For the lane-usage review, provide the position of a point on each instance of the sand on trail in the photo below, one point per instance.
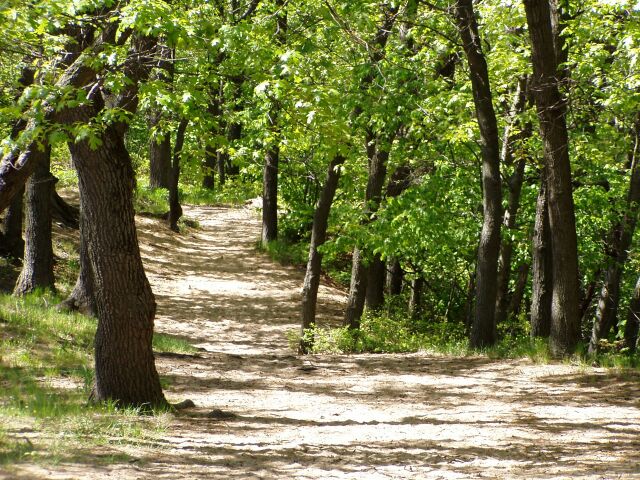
(264, 412)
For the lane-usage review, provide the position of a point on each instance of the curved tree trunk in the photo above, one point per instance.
(551, 106)
(13, 243)
(483, 329)
(542, 266)
(37, 268)
(125, 366)
(314, 264)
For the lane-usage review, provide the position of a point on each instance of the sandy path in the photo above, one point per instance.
(348, 417)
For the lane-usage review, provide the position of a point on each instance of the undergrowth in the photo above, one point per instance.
(46, 375)
(396, 332)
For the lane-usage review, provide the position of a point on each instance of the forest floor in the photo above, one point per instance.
(264, 412)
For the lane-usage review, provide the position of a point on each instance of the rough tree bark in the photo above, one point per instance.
(551, 107)
(125, 368)
(175, 210)
(607, 310)
(542, 266)
(483, 329)
(314, 264)
(37, 267)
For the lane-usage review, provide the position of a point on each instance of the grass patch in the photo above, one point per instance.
(152, 201)
(284, 252)
(164, 343)
(46, 374)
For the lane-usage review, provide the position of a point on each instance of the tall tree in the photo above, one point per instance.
(607, 310)
(318, 237)
(551, 107)
(542, 266)
(483, 329)
(378, 146)
(37, 267)
(272, 153)
(514, 133)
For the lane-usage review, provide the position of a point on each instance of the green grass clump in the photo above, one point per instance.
(284, 252)
(169, 344)
(46, 376)
(153, 201)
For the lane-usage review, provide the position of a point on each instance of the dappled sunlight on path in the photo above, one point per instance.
(264, 412)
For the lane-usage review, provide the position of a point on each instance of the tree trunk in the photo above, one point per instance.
(395, 276)
(514, 184)
(607, 311)
(565, 321)
(272, 154)
(62, 212)
(82, 298)
(314, 264)
(483, 330)
(37, 268)
(175, 210)
(415, 300)
(125, 366)
(542, 265)
(375, 283)
(13, 245)
(518, 291)
(378, 154)
(633, 320)
(159, 154)
(160, 142)
(270, 195)
(210, 161)
(357, 291)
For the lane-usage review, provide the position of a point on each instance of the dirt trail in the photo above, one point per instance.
(263, 412)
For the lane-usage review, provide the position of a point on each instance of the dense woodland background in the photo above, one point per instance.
(468, 170)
